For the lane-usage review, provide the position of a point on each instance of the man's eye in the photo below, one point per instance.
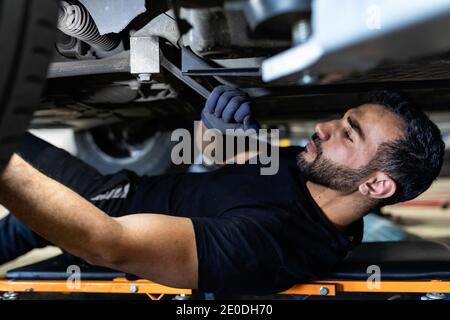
(348, 136)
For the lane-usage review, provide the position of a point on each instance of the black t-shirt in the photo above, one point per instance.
(257, 234)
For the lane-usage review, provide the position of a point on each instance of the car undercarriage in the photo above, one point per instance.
(122, 71)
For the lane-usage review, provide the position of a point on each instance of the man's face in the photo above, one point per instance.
(339, 154)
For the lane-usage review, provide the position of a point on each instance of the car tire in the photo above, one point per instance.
(152, 157)
(27, 31)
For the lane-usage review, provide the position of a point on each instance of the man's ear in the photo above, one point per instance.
(378, 186)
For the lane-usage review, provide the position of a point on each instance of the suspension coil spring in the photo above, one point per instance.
(75, 21)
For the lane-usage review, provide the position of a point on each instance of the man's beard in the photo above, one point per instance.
(324, 172)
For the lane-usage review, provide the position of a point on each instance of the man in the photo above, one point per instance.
(232, 230)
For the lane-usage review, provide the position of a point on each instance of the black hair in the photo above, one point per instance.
(414, 160)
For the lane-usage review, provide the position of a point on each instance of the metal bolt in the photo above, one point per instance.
(306, 78)
(323, 291)
(301, 31)
(10, 296)
(134, 85)
(144, 77)
(434, 296)
(134, 288)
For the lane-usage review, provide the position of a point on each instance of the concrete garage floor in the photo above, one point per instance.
(428, 223)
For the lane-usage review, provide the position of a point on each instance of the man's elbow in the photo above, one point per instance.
(105, 257)
(105, 251)
(106, 247)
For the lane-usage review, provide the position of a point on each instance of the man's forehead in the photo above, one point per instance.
(371, 110)
(368, 108)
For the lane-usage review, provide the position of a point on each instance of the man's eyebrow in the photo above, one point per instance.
(355, 126)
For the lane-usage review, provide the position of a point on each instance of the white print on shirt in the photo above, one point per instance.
(116, 193)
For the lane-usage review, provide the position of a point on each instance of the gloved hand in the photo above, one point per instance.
(228, 108)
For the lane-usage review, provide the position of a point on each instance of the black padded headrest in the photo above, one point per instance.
(57, 269)
(404, 260)
(399, 260)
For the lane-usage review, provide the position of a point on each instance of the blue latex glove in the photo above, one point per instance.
(228, 108)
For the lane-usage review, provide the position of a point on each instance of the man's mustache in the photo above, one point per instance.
(317, 142)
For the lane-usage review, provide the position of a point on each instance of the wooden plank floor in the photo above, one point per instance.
(429, 222)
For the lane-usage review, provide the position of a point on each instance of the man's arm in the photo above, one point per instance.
(201, 145)
(156, 247)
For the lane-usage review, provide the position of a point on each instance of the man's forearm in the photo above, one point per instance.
(201, 145)
(57, 213)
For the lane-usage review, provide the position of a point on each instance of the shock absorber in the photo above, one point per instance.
(75, 21)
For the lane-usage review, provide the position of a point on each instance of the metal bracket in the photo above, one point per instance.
(144, 45)
(193, 65)
(144, 55)
(175, 71)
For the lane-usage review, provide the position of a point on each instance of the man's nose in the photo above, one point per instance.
(322, 130)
